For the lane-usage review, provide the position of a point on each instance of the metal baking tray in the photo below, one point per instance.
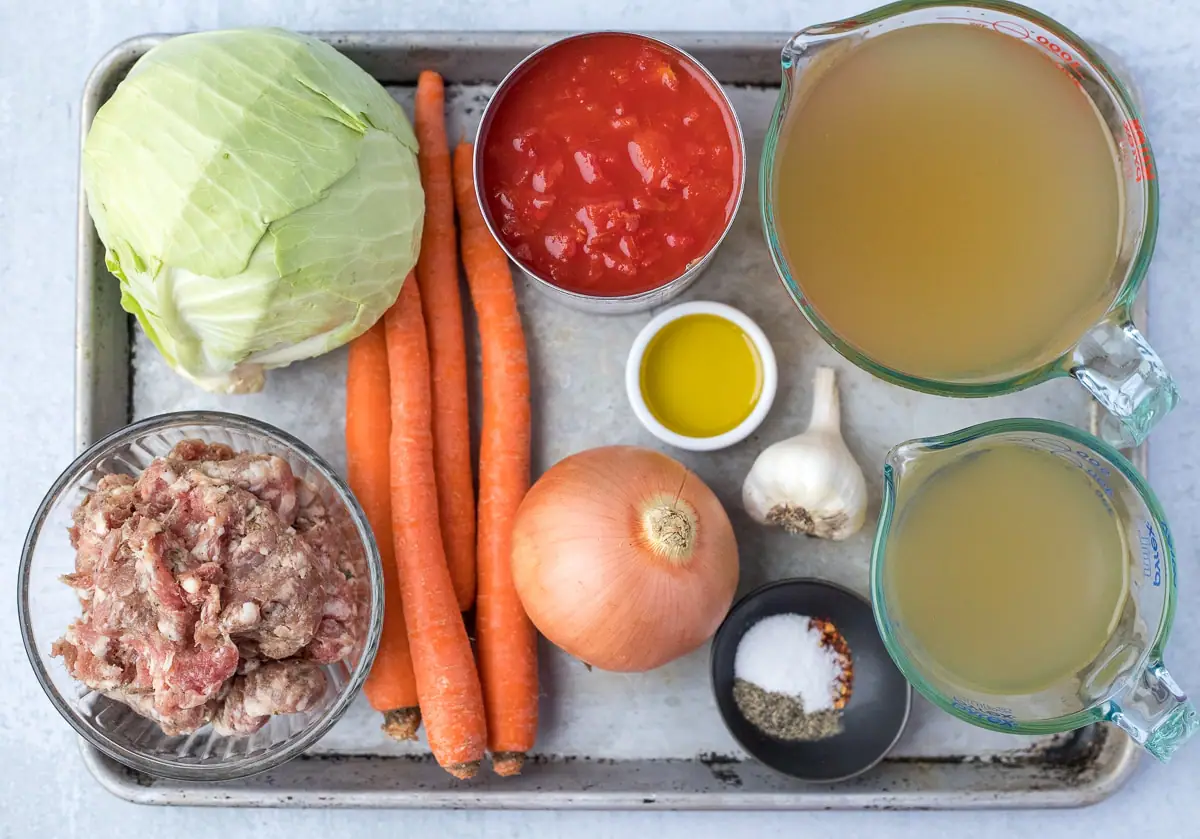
(649, 741)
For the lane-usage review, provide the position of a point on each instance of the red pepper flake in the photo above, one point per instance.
(832, 639)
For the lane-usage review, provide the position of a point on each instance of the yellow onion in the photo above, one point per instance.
(624, 558)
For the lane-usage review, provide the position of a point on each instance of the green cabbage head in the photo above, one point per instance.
(258, 198)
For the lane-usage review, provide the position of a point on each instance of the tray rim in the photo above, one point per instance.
(126, 785)
(95, 408)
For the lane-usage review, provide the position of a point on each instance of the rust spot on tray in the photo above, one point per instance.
(1068, 758)
(339, 759)
(722, 767)
(136, 777)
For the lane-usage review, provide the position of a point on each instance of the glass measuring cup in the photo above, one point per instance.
(1126, 683)
(1112, 359)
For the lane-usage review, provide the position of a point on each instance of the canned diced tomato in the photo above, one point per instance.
(610, 165)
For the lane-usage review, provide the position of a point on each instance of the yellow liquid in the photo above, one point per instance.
(949, 202)
(1007, 570)
(701, 375)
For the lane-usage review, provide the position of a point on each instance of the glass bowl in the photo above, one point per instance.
(47, 606)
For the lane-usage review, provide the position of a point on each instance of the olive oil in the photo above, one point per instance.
(949, 202)
(701, 375)
(1007, 569)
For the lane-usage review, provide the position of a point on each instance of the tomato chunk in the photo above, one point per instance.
(611, 164)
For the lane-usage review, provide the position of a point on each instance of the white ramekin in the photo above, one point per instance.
(633, 371)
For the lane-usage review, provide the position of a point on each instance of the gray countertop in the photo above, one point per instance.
(46, 51)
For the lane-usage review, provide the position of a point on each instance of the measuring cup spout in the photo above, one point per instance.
(806, 44)
(1155, 712)
(904, 457)
(897, 465)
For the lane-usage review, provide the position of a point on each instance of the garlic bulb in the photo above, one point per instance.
(810, 483)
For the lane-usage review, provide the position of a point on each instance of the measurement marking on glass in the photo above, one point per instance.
(1151, 556)
(1065, 61)
(1139, 150)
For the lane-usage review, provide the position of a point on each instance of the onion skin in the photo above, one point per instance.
(594, 579)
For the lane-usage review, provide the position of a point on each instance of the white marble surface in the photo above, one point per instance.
(46, 50)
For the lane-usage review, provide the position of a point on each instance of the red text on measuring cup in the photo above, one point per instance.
(1138, 160)
(1139, 151)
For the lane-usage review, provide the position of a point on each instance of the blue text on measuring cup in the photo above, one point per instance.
(990, 714)
(1151, 554)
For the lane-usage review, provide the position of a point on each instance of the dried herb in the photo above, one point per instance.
(783, 717)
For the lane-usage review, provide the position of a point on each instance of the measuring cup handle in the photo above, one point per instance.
(1115, 362)
(1155, 713)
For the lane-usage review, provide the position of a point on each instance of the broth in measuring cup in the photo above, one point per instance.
(949, 202)
(1008, 569)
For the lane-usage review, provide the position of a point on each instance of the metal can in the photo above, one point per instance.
(606, 304)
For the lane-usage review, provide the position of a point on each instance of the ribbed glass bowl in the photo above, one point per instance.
(47, 606)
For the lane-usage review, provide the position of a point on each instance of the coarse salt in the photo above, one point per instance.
(785, 654)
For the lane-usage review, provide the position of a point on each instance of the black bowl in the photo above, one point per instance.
(872, 720)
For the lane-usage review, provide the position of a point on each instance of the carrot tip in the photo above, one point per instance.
(508, 763)
(402, 723)
(463, 771)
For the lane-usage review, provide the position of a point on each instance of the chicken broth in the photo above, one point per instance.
(1007, 570)
(949, 202)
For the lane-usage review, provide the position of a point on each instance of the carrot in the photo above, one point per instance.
(437, 276)
(447, 681)
(391, 686)
(504, 636)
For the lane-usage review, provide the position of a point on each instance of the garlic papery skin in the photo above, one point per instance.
(810, 483)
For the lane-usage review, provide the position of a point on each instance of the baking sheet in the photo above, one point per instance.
(660, 729)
